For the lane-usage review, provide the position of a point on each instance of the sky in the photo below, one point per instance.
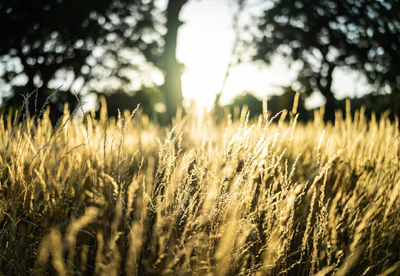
(205, 44)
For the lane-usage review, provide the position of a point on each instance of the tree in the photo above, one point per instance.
(172, 68)
(248, 101)
(87, 42)
(362, 35)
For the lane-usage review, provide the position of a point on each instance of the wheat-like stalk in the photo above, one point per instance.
(273, 196)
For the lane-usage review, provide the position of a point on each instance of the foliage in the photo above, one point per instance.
(148, 98)
(85, 44)
(245, 101)
(106, 197)
(275, 104)
(321, 36)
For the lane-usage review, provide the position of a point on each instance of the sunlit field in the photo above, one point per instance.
(265, 197)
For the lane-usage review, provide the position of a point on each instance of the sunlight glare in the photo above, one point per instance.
(204, 48)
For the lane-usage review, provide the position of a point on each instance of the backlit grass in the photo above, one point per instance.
(125, 196)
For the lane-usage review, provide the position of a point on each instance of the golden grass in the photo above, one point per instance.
(111, 197)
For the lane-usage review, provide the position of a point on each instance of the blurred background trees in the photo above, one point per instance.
(322, 36)
(150, 100)
(49, 40)
(112, 47)
(66, 45)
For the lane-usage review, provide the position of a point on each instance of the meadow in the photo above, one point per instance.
(123, 196)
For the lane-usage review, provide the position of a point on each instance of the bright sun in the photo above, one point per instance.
(205, 46)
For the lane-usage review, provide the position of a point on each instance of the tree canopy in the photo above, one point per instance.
(362, 35)
(86, 43)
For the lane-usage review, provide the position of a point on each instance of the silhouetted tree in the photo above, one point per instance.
(172, 68)
(150, 100)
(275, 104)
(246, 100)
(323, 35)
(86, 42)
(41, 39)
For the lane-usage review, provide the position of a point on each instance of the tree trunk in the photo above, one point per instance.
(330, 105)
(172, 87)
(325, 87)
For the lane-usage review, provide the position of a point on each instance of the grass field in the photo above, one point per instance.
(269, 197)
